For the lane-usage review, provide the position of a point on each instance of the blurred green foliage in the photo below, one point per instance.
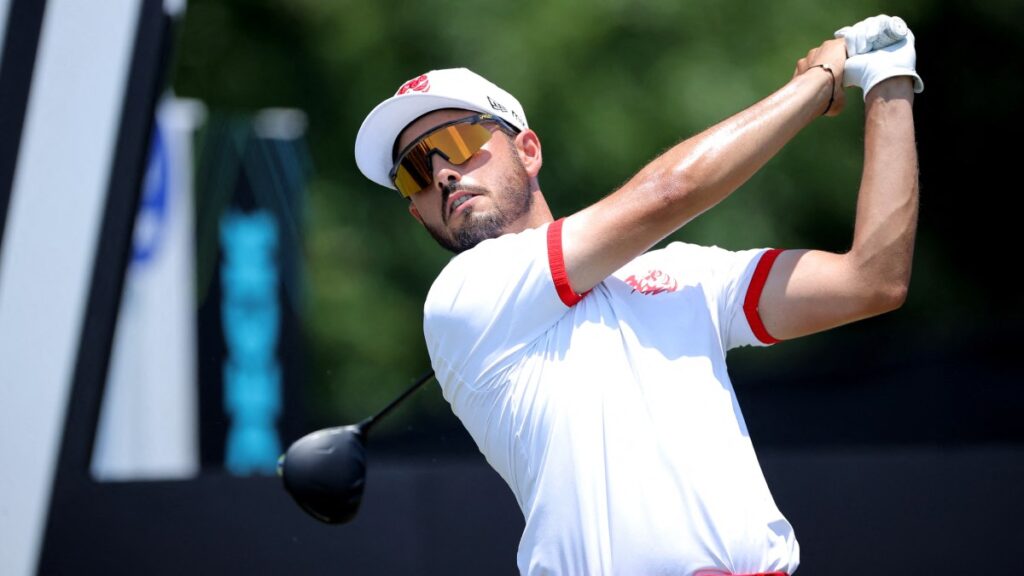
(607, 84)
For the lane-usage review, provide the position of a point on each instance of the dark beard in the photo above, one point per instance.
(512, 201)
(481, 229)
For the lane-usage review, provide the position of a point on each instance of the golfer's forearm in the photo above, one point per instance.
(700, 172)
(688, 179)
(883, 242)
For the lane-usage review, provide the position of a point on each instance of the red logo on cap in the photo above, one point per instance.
(418, 84)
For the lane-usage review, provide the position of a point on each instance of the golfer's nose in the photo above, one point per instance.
(445, 173)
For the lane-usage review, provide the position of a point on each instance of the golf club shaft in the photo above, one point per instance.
(365, 425)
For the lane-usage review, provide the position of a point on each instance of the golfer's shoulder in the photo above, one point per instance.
(686, 256)
(494, 260)
(488, 266)
(696, 263)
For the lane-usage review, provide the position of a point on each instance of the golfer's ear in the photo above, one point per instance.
(415, 213)
(528, 146)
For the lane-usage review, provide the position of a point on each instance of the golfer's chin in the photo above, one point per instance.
(468, 230)
(466, 219)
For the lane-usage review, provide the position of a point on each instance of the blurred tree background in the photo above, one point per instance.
(607, 85)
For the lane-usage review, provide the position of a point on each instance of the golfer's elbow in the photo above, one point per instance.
(664, 187)
(884, 294)
(891, 297)
(883, 276)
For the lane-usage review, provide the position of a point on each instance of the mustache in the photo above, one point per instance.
(451, 188)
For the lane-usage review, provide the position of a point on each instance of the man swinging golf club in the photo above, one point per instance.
(589, 369)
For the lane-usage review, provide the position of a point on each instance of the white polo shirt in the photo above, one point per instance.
(611, 416)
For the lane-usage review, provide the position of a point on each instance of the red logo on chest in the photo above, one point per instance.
(655, 282)
(419, 84)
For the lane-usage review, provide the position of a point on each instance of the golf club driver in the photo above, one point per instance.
(325, 471)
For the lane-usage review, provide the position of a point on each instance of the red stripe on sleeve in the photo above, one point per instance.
(750, 303)
(557, 262)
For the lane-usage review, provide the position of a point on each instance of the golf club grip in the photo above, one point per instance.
(365, 425)
(892, 30)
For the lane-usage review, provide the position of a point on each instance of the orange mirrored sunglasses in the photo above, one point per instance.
(455, 141)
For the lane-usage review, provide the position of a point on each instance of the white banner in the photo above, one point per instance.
(148, 425)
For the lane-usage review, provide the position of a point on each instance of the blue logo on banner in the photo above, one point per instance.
(251, 319)
(151, 221)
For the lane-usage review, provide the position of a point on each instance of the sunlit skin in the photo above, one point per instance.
(807, 291)
(501, 180)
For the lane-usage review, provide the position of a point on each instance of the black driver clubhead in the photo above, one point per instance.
(325, 472)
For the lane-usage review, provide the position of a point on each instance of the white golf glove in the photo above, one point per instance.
(872, 33)
(866, 65)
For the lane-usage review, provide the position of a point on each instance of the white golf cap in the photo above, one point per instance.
(435, 90)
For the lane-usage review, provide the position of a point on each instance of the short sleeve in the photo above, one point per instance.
(733, 282)
(489, 303)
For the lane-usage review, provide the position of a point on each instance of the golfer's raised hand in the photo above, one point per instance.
(832, 55)
(900, 59)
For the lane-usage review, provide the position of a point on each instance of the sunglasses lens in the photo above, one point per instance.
(457, 143)
(414, 171)
(407, 183)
